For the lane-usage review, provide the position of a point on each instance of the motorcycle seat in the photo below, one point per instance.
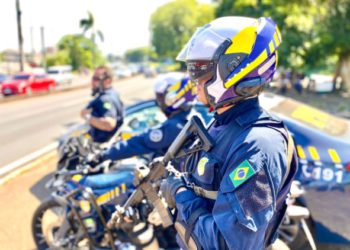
(110, 180)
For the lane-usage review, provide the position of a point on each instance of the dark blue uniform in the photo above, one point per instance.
(106, 104)
(155, 140)
(238, 197)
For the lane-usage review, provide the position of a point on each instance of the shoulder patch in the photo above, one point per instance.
(156, 135)
(241, 174)
(107, 105)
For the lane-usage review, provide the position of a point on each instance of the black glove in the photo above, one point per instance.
(169, 187)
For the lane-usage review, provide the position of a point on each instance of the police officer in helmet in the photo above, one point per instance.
(174, 95)
(105, 112)
(234, 196)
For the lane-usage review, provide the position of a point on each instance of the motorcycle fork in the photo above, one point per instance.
(92, 200)
(72, 202)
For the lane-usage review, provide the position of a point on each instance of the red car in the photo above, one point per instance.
(27, 84)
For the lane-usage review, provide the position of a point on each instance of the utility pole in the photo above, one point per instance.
(32, 44)
(43, 49)
(20, 37)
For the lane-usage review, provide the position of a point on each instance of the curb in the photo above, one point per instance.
(27, 163)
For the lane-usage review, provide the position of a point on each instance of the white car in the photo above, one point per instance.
(321, 83)
(61, 74)
(123, 72)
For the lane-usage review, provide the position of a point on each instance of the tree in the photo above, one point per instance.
(20, 36)
(173, 24)
(60, 58)
(295, 18)
(140, 55)
(333, 37)
(80, 51)
(88, 26)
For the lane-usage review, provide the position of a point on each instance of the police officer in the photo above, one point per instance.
(174, 95)
(104, 113)
(234, 196)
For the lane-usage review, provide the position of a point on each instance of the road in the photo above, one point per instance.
(30, 124)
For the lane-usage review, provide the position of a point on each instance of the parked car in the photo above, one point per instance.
(149, 72)
(322, 83)
(3, 77)
(27, 83)
(122, 72)
(61, 74)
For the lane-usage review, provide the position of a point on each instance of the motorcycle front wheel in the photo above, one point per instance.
(51, 229)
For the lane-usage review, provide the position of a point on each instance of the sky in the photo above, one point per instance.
(124, 23)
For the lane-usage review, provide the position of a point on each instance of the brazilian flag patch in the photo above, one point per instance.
(242, 173)
(107, 105)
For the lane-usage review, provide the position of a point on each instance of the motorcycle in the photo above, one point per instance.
(81, 211)
(77, 212)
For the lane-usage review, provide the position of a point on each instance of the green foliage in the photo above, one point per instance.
(295, 18)
(80, 51)
(140, 55)
(173, 24)
(60, 58)
(88, 26)
(315, 32)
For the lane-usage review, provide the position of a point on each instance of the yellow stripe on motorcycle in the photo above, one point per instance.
(123, 186)
(301, 152)
(334, 156)
(314, 154)
(77, 177)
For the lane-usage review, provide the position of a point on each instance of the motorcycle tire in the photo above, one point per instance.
(39, 233)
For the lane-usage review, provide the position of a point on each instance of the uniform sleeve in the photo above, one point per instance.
(244, 205)
(107, 108)
(90, 104)
(154, 140)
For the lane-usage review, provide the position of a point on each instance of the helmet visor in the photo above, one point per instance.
(198, 70)
(202, 46)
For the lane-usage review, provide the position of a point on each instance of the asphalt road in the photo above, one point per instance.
(30, 124)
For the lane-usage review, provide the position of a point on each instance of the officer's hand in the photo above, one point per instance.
(169, 188)
(85, 112)
(131, 215)
(93, 160)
